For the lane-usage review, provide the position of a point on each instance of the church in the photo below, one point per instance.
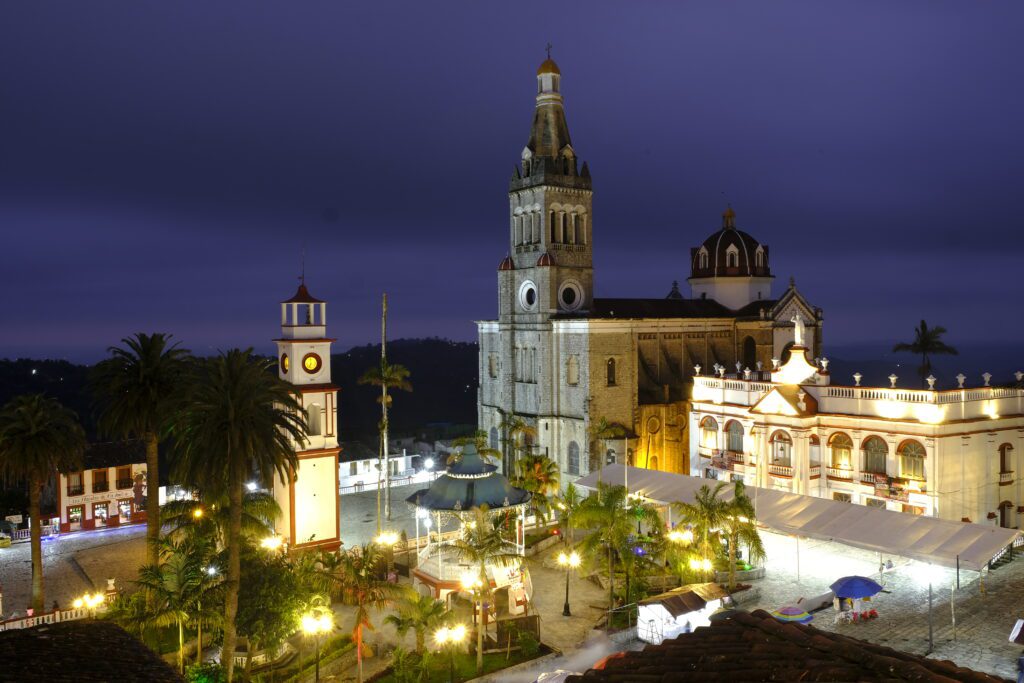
(568, 362)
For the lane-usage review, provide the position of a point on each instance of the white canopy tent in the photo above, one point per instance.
(926, 539)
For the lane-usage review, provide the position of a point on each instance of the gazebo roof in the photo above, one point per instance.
(469, 482)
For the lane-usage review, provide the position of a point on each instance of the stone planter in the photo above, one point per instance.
(741, 576)
(542, 545)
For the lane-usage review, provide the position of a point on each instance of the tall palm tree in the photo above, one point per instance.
(739, 525)
(482, 545)
(539, 475)
(420, 613)
(517, 432)
(705, 516)
(355, 577)
(136, 389)
(38, 438)
(603, 430)
(172, 586)
(237, 418)
(387, 376)
(927, 342)
(607, 515)
(568, 504)
(479, 440)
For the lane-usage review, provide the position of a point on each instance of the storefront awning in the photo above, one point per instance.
(926, 539)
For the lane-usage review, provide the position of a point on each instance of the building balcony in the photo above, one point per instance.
(1005, 478)
(871, 478)
(75, 490)
(706, 451)
(125, 483)
(736, 458)
(783, 471)
(841, 474)
(100, 487)
(815, 470)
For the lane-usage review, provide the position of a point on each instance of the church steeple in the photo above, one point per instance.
(549, 150)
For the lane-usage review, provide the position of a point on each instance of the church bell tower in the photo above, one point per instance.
(310, 505)
(549, 269)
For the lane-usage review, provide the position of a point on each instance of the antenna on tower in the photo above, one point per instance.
(549, 50)
(302, 276)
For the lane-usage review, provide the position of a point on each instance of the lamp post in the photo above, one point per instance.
(272, 543)
(90, 602)
(450, 638)
(570, 562)
(315, 623)
(388, 539)
(928, 575)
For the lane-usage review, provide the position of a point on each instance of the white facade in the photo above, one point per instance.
(310, 508)
(363, 475)
(953, 454)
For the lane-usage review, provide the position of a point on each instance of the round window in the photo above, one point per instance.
(311, 363)
(528, 295)
(570, 296)
(285, 363)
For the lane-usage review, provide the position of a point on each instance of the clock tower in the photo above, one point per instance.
(310, 505)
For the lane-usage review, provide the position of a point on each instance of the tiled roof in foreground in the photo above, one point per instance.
(754, 646)
(79, 651)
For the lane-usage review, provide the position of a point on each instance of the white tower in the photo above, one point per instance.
(310, 505)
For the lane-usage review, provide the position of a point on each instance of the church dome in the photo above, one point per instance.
(729, 253)
(548, 66)
(546, 259)
(506, 264)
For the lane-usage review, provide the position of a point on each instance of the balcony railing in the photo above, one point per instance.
(780, 471)
(76, 490)
(815, 471)
(869, 478)
(125, 483)
(1005, 478)
(737, 458)
(840, 473)
(100, 486)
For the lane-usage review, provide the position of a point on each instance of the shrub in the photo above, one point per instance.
(209, 672)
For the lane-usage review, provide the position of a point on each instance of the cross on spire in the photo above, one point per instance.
(302, 275)
(548, 48)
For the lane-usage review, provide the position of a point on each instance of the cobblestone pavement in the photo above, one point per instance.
(72, 563)
(359, 515)
(983, 618)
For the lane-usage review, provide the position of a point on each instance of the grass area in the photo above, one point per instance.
(465, 667)
(329, 651)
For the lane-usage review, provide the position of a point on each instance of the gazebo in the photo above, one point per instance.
(447, 506)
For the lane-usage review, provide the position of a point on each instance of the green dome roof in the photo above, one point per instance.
(469, 482)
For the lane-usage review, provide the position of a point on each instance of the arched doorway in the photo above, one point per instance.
(749, 353)
(1006, 514)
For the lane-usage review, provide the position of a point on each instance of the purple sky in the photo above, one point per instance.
(163, 164)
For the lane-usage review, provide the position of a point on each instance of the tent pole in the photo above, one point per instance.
(798, 559)
(958, 572)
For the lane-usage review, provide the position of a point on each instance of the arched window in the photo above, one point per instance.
(313, 420)
(572, 371)
(750, 353)
(653, 464)
(709, 433)
(732, 259)
(759, 258)
(1005, 458)
(572, 465)
(611, 372)
(734, 439)
(782, 449)
(702, 258)
(841, 446)
(912, 456)
(551, 223)
(493, 439)
(875, 453)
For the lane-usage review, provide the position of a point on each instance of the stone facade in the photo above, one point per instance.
(563, 360)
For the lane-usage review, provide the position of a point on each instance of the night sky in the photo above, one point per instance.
(163, 164)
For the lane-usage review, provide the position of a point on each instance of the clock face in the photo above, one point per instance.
(311, 363)
(285, 363)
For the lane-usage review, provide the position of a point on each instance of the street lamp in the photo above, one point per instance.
(450, 638)
(700, 564)
(197, 513)
(684, 537)
(272, 543)
(90, 602)
(314, 624)
(928, 575)
(388, 539)
(570, 562)
(471, 582)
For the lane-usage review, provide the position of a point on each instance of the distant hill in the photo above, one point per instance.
(443, 375)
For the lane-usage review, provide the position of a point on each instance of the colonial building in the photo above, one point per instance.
(309, 503)
(564, 360)
(949, 453)
(109, 490)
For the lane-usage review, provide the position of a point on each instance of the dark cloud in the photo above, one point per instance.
(164, 166)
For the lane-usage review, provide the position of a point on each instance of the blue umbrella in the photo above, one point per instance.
(855, 587)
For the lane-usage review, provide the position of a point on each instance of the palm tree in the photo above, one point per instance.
(171, 586)
(705, 516)
(38, 437)
(237, 418)
(517, 432)
(419, 613)
(136, 389)
(568, 504)
(354, 576)
(603, 430)
(739, 525)
(607, 514)
(927, 342)
(539, 475)
(479, 440)
(481, 545)
(387, 376)
(259, 510)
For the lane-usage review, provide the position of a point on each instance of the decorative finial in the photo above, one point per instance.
(960, 379)
(931, 382)
(892, 380)
(792, 282)
(729, 218)
(302, 275)
(857, 378)
(696, 369)
(824, 364)
(548, 48)
(746, 373)
(775, 364)
(986, 376)
(1019, 375)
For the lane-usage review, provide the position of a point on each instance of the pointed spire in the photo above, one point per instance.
(729, 218)
(675, 293)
